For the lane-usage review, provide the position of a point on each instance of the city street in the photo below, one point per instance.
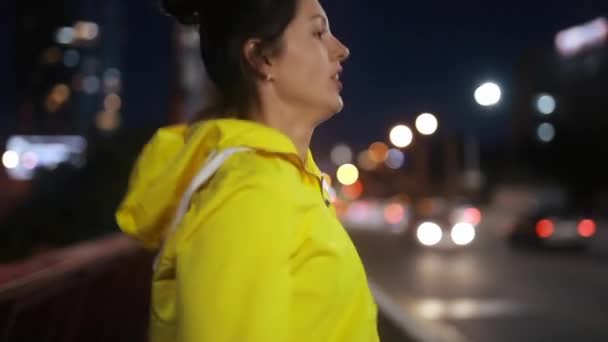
(491, 292)
(439, 134)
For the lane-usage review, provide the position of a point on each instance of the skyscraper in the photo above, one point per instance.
(68, 65)
(559, 117)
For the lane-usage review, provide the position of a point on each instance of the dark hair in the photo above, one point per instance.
(224, 27)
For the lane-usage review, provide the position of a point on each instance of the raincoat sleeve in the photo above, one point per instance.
(233, 274)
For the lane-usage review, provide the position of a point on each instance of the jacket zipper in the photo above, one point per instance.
(327, 202)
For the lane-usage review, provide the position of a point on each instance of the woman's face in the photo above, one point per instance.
(306, 72)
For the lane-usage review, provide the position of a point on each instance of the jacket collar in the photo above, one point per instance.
(236, 132)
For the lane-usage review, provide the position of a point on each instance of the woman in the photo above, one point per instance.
(250, 247)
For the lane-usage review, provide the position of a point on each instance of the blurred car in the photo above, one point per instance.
(440, 223)
(552, 229)
(379, 215)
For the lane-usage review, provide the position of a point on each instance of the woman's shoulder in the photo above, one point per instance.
(248, 174)
(247, 184)
(257, 168)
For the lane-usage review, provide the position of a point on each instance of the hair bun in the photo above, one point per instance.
(184, 11)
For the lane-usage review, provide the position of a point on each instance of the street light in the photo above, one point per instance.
(10, 159)
(545, 132)
(575, 39)
(347, 174)
(426, 124)
(365, 162)
(377, 152)
(545, 104)
(394, 159)
(488, 94)
(341, 154)
(401, 136)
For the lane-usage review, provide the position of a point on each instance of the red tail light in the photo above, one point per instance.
(472, 216)
(545, 228)
(586, 228)
(394, 213)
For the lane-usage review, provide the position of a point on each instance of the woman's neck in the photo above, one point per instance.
(290, 123)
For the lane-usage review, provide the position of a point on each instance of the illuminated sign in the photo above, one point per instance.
(25, 153)
(578, 38)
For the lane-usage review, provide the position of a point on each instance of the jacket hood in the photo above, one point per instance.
(172, 157)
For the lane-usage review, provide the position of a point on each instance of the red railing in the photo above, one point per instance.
(95, 291)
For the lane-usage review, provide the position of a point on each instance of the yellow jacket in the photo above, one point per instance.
(259, 254)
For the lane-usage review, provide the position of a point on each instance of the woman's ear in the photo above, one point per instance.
(256, 58)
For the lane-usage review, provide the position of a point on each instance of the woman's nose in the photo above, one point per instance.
(342, 51)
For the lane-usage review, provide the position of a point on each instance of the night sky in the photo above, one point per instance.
(7, 83)
(407, 57)
(414, 56)
(411, 57)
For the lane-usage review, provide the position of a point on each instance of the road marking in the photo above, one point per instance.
(420, 329)
(461, 308)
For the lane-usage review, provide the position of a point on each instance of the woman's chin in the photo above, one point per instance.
(330, 109)
(338, 105)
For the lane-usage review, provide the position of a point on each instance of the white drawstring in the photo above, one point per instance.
(211, 165)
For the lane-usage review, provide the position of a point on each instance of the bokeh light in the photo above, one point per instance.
(90, 85)
(60, 93)
(108, 120)
(85, 30)
(395, 159)
(365, 162)
(427, 124)
(546, 132)
(545, 104)
(353, 191)
(112, 102)
(29, 160)
(401, 136)
(347, 174)
(71, 58)
(463, 233)
(10, 159)
(429, 233)
(378, 151)
(341, 154)
(587, 228)
(394, 213)
(65, 35)
(488, 94)
(112, 80)
(545, 228)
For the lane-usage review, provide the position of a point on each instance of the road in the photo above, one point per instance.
(491, 292)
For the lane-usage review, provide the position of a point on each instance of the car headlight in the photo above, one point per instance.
(429, 233)
(463, 233)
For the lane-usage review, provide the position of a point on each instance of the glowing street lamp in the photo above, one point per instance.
(488, 94)
(347, 174)
(426, 124)
(401, 136)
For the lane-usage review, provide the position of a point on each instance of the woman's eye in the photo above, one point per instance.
(319, 34)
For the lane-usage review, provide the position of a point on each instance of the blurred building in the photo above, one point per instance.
(192, 89)
(68, 62)
(72, 60)
(560, 120)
